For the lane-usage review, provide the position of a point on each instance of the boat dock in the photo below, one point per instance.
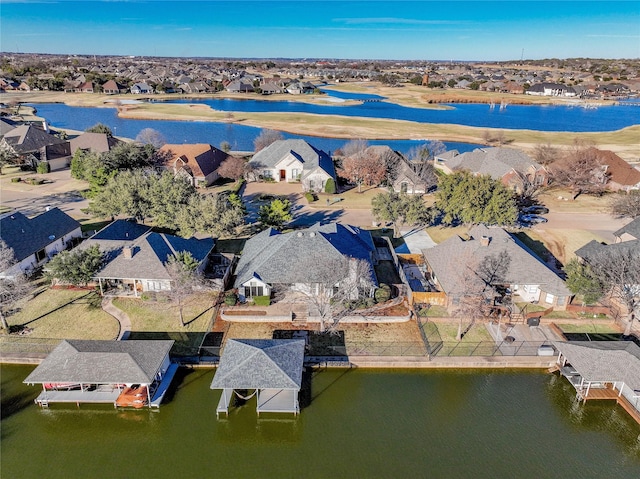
(77, 396)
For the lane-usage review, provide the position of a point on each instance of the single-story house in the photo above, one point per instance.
(550, 89)
(35, 241)
(404, 174)
(620, 175)
(629, 232)
(93, 142)
(270, 367)
(89, 371)
(510, 166)
(141, 89)
(291, 259)
(27, 141)
(136, 257)
(240, 86)
(295, 160)
(529, 279)
(198, 163)
(85, 87)
(111, 87)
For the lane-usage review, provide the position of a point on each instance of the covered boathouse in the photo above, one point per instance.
(603, 370)
(133, 373)
(271, 368)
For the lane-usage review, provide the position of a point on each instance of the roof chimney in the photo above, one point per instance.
(485, 240)
(127, 252)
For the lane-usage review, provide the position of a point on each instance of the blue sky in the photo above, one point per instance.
(399, 29)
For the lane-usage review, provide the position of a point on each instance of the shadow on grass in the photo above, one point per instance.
(73, 301)
(198, 316)
(186, 343)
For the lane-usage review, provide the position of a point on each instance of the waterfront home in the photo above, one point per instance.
(110, 87)
(291, 260)
(514, 168)
(141, 89)
(136, 257)
(452, 264)
(198, 163)
(93, 142)
(85, 87)
(294, 160)
(36, 240)
(404, 175)
(272, 368)
(551, 89)
(133, 373)
(603, 370)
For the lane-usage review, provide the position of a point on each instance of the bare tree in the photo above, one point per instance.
(354, 147)
(232, 168)
(426, 152)
(13, 286)
(580, 170)
(619, 270)
(149, 136)
(339, 282)
(626, 205)
(546, 154)
(364, 168)
(185, 279)
(265, 138)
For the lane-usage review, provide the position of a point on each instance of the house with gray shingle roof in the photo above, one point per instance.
(136, 257)
(512, 167)
(30, 144)
(629, 232)
(529, 279)
(271, 367)
(295, 160)
(35, 241)
(291, 259)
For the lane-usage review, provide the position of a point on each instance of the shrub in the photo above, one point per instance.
(238, 185)
(43, 167)
(16, 179)
(330, 186)
(383, 293)
(310, 197)
(262, 300)
(230, 299)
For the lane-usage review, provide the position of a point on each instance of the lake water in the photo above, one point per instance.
(359, 423)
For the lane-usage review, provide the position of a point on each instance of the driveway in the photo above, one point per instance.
(60, 190)
(600, 224)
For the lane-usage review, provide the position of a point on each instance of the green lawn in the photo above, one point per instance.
(477, 333)
(65, 314)
(158, 319)
(588, 327)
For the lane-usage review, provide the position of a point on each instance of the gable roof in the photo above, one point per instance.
(524, 267)
(260, 364)
(86, 361)
(593, 248)
(200, 158)
(284, 257)
(94, 142)
(495, 162)
(28, 138)
(26, 236)
(151, 251)
(310, 157)
(604, 361)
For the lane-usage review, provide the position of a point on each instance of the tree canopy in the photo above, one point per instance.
(185, 279)
(265, 138)
(365, 168)
(218, 215)
(400, 209)
(466, 198)
(232, 168)
(582, 280)
(76, 267)
(276, 213)
(626, 205)
(99, 128)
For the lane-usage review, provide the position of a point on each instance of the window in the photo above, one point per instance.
(41, 255)
(549, 299)
(267, 174)
(251, 291)
(561, 300)
(404, 187)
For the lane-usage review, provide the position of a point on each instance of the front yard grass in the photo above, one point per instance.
(65, 314)
(158, 319)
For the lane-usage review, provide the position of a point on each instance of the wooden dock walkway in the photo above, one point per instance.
(610, 394)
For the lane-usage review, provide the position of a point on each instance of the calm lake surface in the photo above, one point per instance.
(359, 423)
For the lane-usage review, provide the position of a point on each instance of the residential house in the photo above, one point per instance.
(85, 87)
(619, 174)
(295, 160)
(28, 142)
(35, 241)
(512, 167)
(240, 86)
(404, 175)
(198, 163)
(529, 279)
(551, 89)
(6, 125)
(136, 257)
(629, 232)
(141, 89)
(290, 260)
(93, 142)
(111, 87)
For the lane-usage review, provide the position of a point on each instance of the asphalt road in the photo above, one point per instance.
(601, 224)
